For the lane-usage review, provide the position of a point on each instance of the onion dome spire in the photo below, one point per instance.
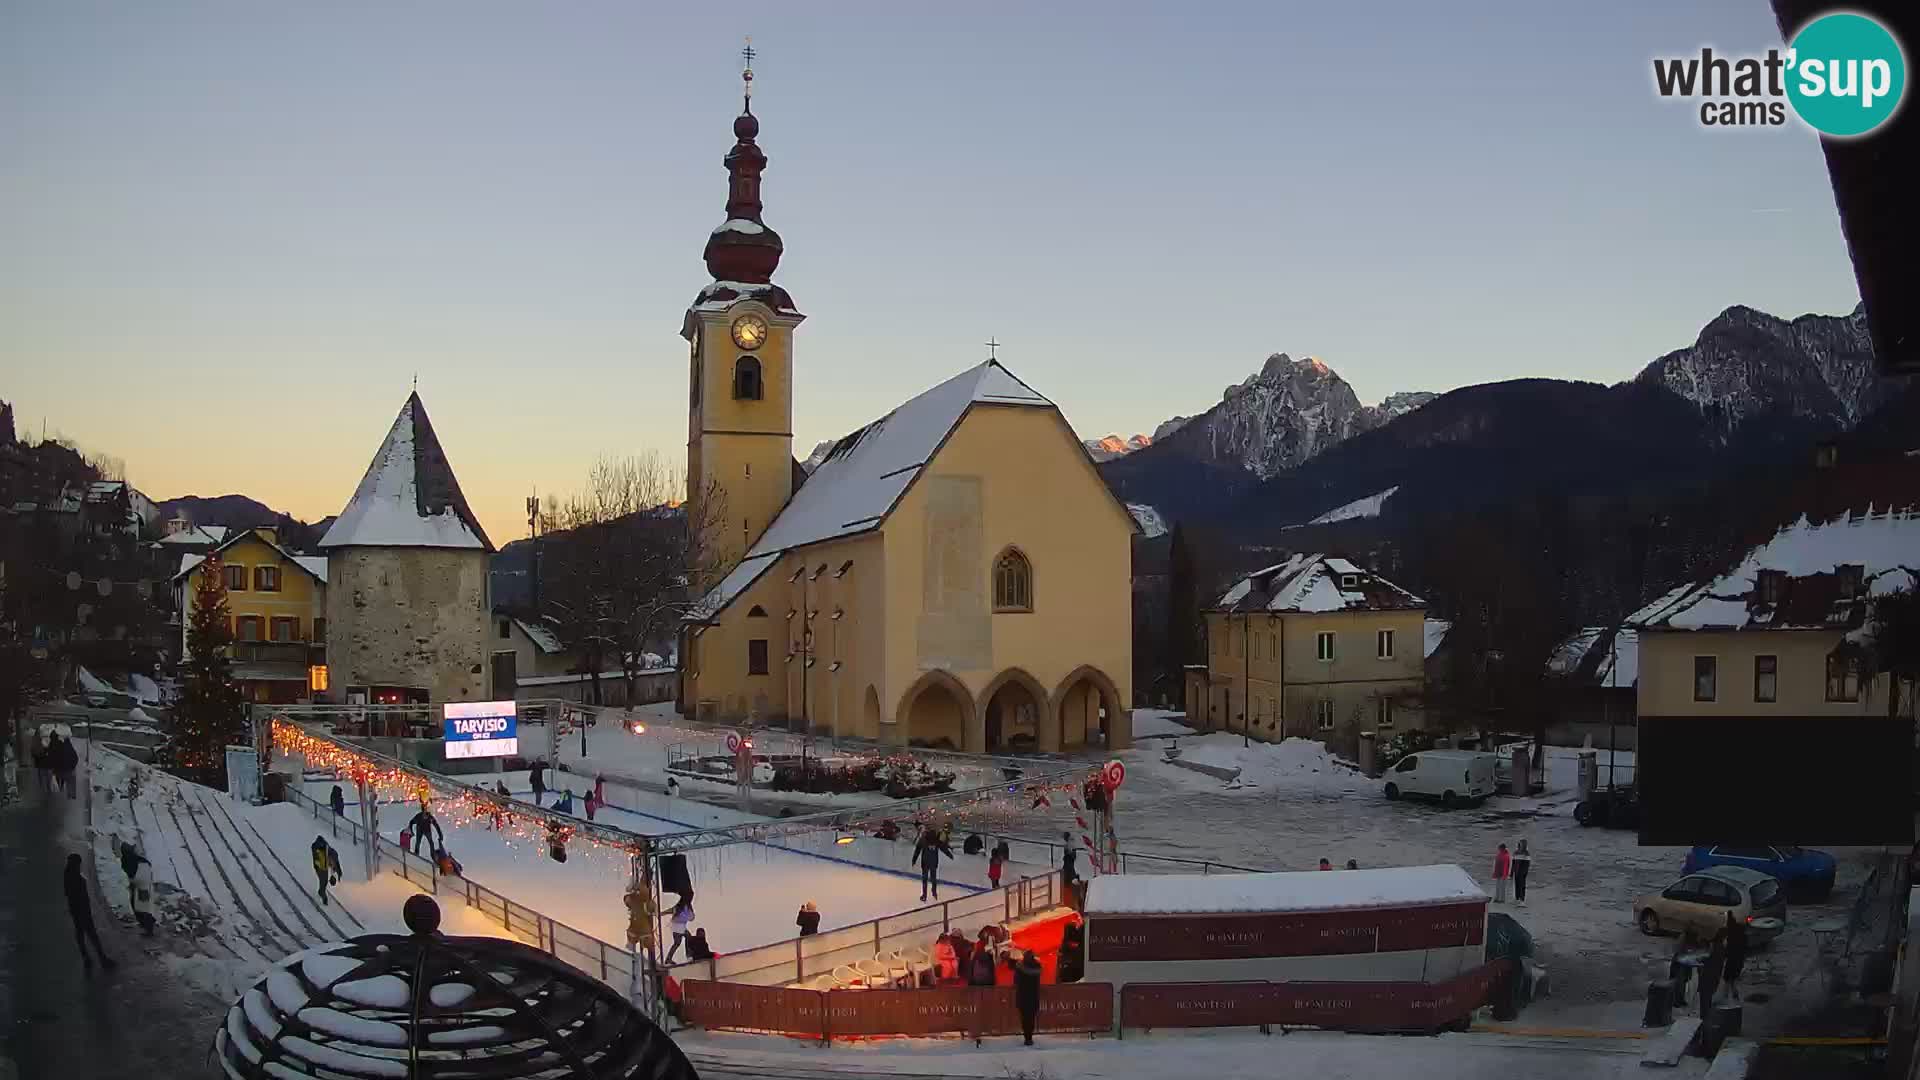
(743, 248)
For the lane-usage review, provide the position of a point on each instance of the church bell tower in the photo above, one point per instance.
(739, 333)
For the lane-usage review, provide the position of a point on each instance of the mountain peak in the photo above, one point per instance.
(1818, 368)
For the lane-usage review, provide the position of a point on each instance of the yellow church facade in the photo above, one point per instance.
(954, 574)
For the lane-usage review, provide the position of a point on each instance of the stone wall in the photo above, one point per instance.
(412, 617)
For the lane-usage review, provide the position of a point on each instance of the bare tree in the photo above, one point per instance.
(621, 558)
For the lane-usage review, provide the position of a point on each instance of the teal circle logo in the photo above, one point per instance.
(1845, 74)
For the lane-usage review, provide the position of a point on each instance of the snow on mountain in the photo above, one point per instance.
(1168, 427)
(1114, 446)
(819, 455)
(1280, 416)
(1150, 522)
(1358, 508)
(1404, 403)
(1745, 362)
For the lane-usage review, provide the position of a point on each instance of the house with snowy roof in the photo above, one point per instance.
(1762, 672)
(276, 611)
(952, 574)
(1314, 647)
(522, 647)
(1593, 676)
(407, 599)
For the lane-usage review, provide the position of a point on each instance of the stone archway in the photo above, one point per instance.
(1078, 707)
(935, 712)
(1013, 709)
(870, 714)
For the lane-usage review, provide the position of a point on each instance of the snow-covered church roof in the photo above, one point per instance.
(853, 489)
(409, 497)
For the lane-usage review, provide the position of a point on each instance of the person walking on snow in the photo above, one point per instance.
(339, 801)
(1522, 860)
(139, 886)
(1735, 935)
(682, 918)
(80, 910)
(537, 776)
(42, 764)
(1026, 993)
(326, 866)
(423, 824)
(926, 855)
(995, 863)
(1502, 870)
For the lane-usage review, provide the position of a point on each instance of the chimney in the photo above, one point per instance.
(177, 525)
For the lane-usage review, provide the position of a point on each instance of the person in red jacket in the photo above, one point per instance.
(1502, 870)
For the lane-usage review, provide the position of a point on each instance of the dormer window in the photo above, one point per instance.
(1850, 577)
(1772, 586)
(746, 379)
(1349, 581)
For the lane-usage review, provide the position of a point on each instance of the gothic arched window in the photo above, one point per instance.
(1012, 582)
(746, 379)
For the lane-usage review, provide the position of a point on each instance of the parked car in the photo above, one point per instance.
(1701, 901)
(1616, 808)
(1452, 776)
(1806, 873)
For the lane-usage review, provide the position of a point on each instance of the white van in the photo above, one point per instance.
(1452, 776)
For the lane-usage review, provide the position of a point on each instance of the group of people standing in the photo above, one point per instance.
(1725, 959)
(56, 761)
(1511, 866)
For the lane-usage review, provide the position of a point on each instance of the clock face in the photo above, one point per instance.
(749, 331)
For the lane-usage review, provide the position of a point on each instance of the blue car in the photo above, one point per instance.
(1803, 872)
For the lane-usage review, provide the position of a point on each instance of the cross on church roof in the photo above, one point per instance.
(746, 72)
(993, 349)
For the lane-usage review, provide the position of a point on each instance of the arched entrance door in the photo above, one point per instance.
(1088, 709)
(1015, 705)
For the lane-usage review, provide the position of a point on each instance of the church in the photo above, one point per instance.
(954, 574)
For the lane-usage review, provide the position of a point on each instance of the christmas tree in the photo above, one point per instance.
(208, 717)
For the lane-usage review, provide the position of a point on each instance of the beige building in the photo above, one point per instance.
(407, 596)
(276, 610)
(1315, 647)
(1780, 635)
(519, 649)
(953, 574)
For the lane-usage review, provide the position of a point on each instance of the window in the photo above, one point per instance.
(1843, 678)
(1754, 854)
(1773, 586)
(1349, 581)
(1323, 645)
(757, 656)
(266, 579)
(285, 629)
(1383, 644)
(1766, 678)
(319, 631)
(506, 630)
(1686, 889)
(1407, 764)
(236, 578)
(246, 628)
(1717, 893)
(746, 379)
(1323, 714)
(1383, 712)
(1706, 675)
(1012, 582)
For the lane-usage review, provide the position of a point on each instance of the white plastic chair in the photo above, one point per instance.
(848, 977)
(875, 971)
(899, 972)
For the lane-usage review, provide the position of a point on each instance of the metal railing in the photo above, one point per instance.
(795, 960)
(1130, 862)
(613, 964)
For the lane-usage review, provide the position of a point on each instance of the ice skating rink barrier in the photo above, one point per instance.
(972, 1011)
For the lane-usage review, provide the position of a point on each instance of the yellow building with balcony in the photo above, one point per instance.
(276, 604)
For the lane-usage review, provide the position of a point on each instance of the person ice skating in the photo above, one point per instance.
(1353, 864)
(980, 967)
(1069, 862)
(1735, 935)
(537, 776)
(406, 837)
(593, 804)
(445, 863)
(326, 866)
(500, 789)
(139, 886)
(1326, 864)
(1502, 870)
(564, 804)
(975, 844)
(996, 862)
(1026, 993)
(697, 947)
(1522, 860)
(682, 919)
(339, 801)
(808, 920)
(80, 910)
(426, 827)
(926, 855)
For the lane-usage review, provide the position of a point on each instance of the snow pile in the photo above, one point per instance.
(1292, 762)
(1308, 890)
(386, 509)
(145, 690)
(1359, 508)
(1151, 722)
(138, 715)
(1149, 519)
(94, 685)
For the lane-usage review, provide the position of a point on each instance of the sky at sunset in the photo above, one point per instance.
(232, 233)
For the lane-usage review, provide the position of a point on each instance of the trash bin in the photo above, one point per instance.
(1659, 1004)
(275, 787)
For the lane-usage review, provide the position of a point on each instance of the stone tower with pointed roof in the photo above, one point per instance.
(952, 574)
(407, 607)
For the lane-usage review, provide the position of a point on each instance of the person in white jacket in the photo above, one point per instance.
(139, 886)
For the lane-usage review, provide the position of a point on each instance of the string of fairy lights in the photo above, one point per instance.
(530, 830)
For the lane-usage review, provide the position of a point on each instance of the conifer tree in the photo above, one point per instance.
(208, 717)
